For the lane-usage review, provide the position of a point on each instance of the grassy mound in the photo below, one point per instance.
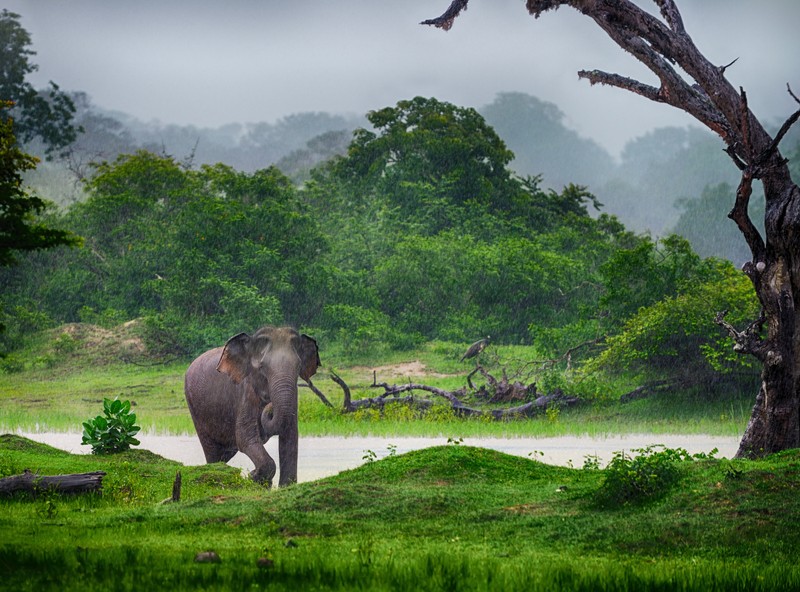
(449, 517)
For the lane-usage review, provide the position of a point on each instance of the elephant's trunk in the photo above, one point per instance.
(281, 421)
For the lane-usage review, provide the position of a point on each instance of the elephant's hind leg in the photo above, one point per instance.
(215, 452)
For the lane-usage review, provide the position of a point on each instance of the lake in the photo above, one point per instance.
(324, 456)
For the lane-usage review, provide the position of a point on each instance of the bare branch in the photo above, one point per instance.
(397, 389)
(671, 14)
(749, 340)
(345, 389)
(789, 89)
(445, 21)
(745, 127)
(728, 65)
(623, 82)
(319, 393)
(784, 128)
(740, 215)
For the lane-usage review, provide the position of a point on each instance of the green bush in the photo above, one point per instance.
(677, 336)
(112, 432)
(642, 477)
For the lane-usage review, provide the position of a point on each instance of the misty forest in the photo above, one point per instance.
(525, 264)
(422, 221)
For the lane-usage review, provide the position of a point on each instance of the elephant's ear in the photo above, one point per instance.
(309, 357)
(235, 359)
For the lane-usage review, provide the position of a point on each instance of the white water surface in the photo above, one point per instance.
(325, 456)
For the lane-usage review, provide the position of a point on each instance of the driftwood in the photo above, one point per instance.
(33, 483)
(503, 389)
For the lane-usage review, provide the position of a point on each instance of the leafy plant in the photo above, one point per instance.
(641, 477)
(112, 432)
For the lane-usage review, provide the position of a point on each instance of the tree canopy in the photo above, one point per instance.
(20, 230)
(414, 234)
(44, 114)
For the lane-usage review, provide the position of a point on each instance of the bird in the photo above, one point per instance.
(475, 348)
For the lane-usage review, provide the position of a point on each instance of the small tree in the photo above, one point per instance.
(19, 229)
(691, 83)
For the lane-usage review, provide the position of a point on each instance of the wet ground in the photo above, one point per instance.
(324, 456)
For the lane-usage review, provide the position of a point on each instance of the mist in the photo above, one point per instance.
(210, 63)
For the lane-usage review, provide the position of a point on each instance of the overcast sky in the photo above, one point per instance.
(208, 63)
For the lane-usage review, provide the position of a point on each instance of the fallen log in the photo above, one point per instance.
(68, 484)
(391, 394)
(651, 388)
(530, 409)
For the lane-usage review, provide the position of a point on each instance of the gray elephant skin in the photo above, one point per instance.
(242, 394)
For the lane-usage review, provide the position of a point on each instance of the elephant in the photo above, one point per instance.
(242, 394)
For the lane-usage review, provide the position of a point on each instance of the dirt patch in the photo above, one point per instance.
(402, 370)
(98, 344)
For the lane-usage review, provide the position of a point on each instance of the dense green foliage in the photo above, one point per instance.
(444, 518)
(642, 474)
(20, 228)
(114, 431)
(419, 232)
(666, 329)
(200, 254)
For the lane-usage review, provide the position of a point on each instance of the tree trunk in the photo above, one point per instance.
(691, 83)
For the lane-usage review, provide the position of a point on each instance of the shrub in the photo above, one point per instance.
(112, 432)
(642, 477)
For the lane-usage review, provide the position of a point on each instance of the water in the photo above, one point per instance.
(324, 456)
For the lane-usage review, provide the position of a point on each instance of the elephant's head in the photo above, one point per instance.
(271, 360)
(268, 351)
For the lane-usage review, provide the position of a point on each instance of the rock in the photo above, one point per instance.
(207, 557)
(264, 562)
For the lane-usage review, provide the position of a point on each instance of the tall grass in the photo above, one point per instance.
(132, 567)
(449, 518)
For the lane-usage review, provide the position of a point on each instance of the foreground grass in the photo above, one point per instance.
(446, 518)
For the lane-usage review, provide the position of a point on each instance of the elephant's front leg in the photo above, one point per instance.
(250, 440)
(288, 441)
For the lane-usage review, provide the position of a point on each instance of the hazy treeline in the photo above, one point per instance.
(420, 231)
(669, 180)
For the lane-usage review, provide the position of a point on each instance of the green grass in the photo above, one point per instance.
(62, 397)
(70, 370)
(444, 518)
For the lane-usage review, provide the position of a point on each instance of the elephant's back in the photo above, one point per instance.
(203, 379)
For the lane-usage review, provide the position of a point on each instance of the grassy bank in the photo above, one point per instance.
(62, 397)
(61, 378)
(446, 518)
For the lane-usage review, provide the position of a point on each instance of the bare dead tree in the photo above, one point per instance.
(690, 82)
